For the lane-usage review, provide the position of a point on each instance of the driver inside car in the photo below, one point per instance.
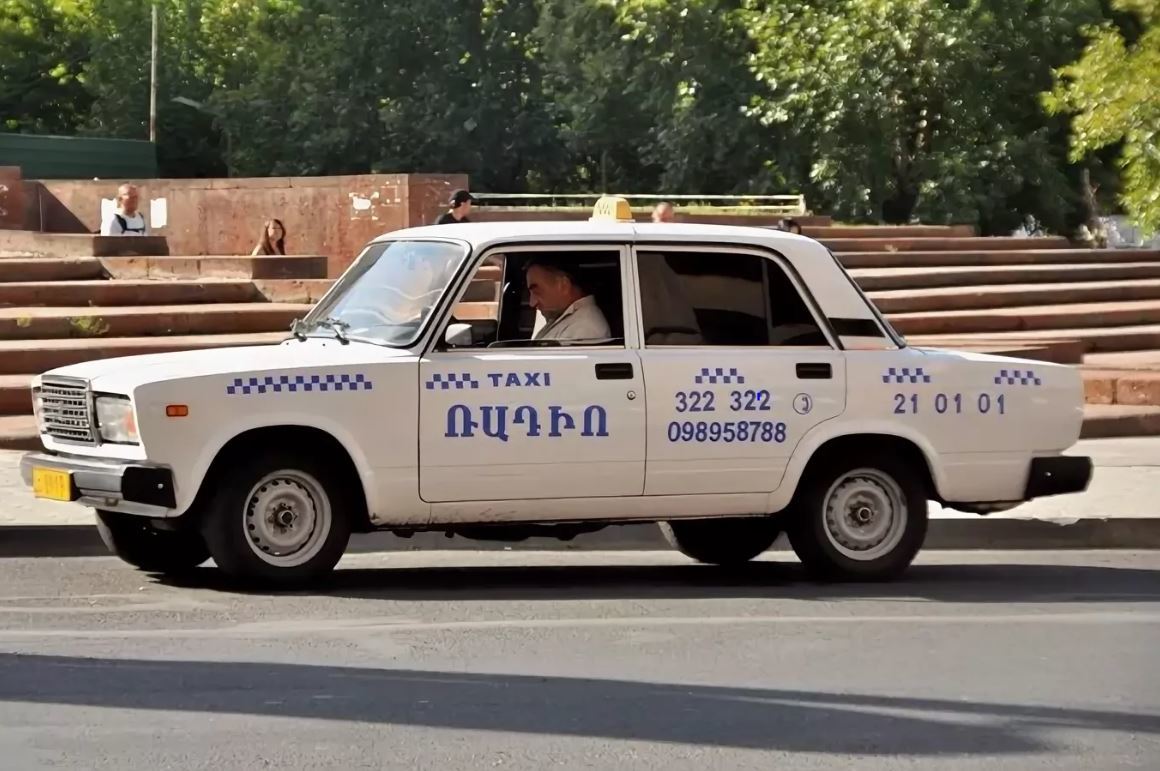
(565, 311)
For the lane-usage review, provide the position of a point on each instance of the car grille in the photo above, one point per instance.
(66, 410)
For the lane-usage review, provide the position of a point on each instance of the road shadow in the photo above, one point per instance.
(744, 718)
(966, 583)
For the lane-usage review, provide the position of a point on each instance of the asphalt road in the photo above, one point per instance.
(594, 660)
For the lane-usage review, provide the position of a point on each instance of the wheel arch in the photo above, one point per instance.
(815, 452)
(325, 444)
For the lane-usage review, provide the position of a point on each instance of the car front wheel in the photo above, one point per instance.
(859, 519)
(280, 519)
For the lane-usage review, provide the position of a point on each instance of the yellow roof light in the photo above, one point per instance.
(612, 208)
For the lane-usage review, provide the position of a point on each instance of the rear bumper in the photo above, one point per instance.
(126, 486)
(1058, 475)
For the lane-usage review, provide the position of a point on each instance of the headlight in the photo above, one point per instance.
(115, 420)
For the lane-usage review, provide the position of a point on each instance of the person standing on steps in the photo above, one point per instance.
(663, 212)
(125, 220)
(460, 204)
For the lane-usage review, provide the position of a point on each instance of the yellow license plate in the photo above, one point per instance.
(52, 484)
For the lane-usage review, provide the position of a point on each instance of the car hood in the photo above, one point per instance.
(124, 374)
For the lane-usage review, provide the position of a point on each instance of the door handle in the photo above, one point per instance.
(614, 371)
(814, 371)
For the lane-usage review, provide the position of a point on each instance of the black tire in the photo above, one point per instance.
(726, 542)
(135, 541)
(295, 484)
(869, 484)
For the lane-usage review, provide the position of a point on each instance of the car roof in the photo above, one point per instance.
(480, 234)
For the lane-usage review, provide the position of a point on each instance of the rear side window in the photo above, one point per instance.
(722, 299)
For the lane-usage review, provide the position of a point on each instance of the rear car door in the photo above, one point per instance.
(739, 368)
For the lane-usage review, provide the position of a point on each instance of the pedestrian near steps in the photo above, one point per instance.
(125, 220)
(273, 239)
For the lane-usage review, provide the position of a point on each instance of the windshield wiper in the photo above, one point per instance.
(338, 327)
(299, 328)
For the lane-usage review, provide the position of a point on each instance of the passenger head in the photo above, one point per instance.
(128, 198)
(551, 287)
(663, 212)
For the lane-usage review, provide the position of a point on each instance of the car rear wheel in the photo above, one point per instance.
(279, 519)
(733, 541)
(859, 519)
(137, 542)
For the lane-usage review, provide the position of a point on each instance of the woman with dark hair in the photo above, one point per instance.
(273, 239)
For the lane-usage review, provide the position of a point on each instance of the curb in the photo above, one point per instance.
(944, 534)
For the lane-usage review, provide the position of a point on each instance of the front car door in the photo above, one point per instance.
(501, 420)
(738, 365)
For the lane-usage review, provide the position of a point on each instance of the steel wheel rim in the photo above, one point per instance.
(287, 517)
(865, 514)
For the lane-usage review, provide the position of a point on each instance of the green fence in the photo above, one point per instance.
(53, 157)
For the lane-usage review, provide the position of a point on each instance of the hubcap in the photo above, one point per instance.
(287, 518)
(865, 514)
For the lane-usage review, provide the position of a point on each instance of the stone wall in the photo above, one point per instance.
(334, 216)
(11, 198)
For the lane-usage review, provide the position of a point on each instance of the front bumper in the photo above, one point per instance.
(126, 486)
(1058, 475)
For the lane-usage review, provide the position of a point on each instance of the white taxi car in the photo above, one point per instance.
(745, 387)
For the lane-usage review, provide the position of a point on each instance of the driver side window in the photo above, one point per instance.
(541, 298)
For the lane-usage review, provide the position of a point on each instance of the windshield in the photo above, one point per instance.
(389, 293)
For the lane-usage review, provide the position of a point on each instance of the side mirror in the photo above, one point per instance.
(458, 335)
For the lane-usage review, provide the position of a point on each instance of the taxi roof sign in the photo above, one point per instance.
(613, 208)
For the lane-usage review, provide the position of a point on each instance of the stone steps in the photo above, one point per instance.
(20, 356)
(1137, 388)
(954, 244)
(1029, 318)
(1003, 296)
(1102, 421)
(50, 269)
(888, 231)
(28, 243)
(978, 257)
(1110, 341)
(15, 396)
(147, 320)
(78, 293)
(243, 267)
(885, 279)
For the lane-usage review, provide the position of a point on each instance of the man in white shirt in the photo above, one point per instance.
(568, 312)
(125, 220)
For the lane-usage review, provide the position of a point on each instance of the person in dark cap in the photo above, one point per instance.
(460, 204)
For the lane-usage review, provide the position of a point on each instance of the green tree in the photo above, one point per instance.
(1112, 91)
(920, 108)
(42, 54)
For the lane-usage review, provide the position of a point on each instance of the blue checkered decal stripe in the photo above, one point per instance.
(295, 383)
(451, 380)
(905, 375)
(719, 375)
(1017, 376)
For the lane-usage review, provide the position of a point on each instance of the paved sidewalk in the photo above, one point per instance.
(1126, 485)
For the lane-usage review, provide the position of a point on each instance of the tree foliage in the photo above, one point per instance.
(878, 110)
(1114, 91)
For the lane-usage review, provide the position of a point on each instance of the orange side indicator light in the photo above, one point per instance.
(176, 410)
